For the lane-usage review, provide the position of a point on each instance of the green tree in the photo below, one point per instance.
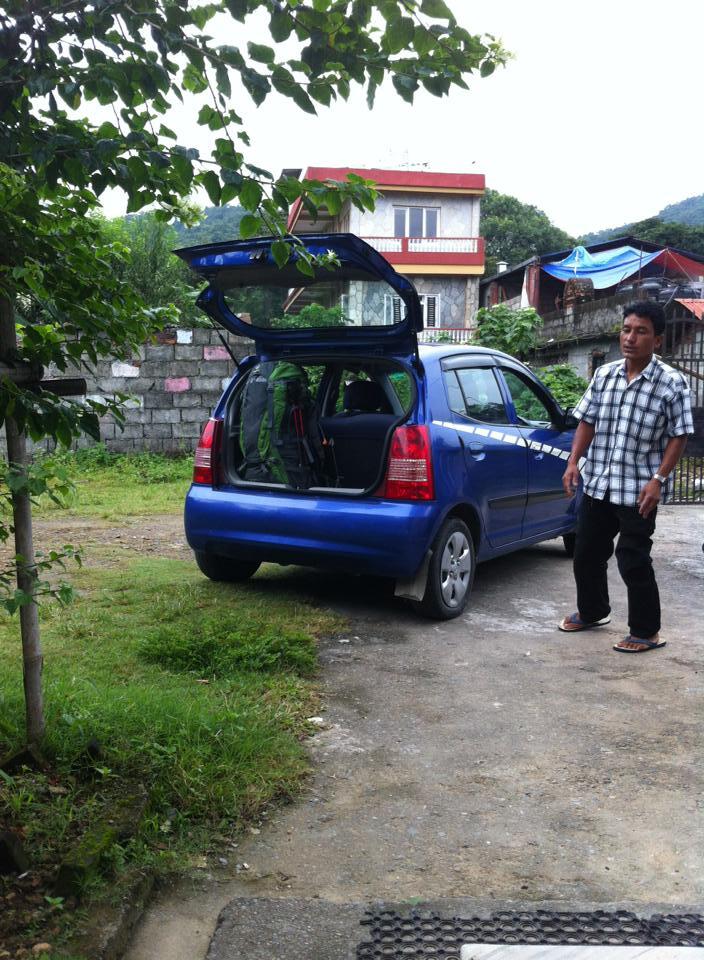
(514, 231)
(64, 60)
(564, 383)
(669, 234)
(660, 229)
(312, 315)
(149, 267)
(513, 331)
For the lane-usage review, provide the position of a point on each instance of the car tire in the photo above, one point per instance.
(569, 541)
(450, 573)
(224, 570)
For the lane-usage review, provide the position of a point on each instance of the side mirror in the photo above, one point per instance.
(570, 422)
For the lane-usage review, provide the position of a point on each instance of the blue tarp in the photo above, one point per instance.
(604, 269)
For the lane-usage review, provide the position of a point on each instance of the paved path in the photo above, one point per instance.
(490, 758)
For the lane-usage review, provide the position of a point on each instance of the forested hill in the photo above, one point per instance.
(218, 223)
(689, 213)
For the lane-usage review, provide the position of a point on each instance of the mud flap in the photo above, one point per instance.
(414, 587)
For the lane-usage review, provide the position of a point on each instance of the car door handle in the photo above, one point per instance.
(476, 448)
(538, 456)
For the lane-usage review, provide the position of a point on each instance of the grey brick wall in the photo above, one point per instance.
(173, 386)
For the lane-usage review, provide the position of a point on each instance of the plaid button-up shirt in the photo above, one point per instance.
(633, 423)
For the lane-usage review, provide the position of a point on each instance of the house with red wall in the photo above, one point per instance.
(426, 225)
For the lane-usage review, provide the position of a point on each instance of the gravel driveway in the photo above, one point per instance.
(490, 758)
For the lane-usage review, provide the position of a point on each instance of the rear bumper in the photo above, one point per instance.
(370, 535)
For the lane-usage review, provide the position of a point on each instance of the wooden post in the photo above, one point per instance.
(24, 547)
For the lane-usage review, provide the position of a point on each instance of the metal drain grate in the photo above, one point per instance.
(419, 935)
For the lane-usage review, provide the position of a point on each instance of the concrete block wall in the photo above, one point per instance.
(173, 386)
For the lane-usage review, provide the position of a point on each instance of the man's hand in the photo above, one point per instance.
(649, 498)
(570, 479)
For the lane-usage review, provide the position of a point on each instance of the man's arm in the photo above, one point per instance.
(583, 436)
(649, 497)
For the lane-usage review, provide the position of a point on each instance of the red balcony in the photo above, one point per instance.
(431, 251)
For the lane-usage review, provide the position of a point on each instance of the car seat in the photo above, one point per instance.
(364, 396)
(359, 433)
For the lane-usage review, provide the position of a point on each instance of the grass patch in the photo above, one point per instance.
(114, 485)
(223, 648)
(199, 691)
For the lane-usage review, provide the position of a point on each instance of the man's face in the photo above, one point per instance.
(638, 339)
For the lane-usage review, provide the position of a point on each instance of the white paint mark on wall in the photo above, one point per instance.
(124, 369)
(184, 336)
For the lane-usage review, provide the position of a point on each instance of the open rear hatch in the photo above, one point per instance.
(360, 303)
(334, 351)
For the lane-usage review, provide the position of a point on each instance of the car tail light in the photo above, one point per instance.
(207, 460)
(409, 475)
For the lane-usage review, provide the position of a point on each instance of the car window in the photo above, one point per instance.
(530, 406)
(474, 392)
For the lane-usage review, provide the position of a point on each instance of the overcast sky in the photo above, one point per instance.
(597, 120)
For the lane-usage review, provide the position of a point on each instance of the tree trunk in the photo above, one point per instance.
(24, 547)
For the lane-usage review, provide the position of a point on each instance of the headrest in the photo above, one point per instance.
(365, 395)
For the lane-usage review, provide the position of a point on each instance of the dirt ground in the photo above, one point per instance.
(490, 758)
(159, 535)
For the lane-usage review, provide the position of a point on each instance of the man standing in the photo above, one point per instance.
(634, 420)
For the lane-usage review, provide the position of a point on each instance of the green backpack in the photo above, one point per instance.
(280, 434)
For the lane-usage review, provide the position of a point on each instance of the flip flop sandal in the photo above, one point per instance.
(647, 645)
(574, 623)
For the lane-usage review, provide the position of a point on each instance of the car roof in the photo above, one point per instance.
(435, 351)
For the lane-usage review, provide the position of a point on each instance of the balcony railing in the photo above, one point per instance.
(450, 251)
(445, 335)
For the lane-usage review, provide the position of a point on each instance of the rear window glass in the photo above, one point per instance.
(323, 304)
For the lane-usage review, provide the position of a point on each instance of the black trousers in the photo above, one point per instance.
(598, 523)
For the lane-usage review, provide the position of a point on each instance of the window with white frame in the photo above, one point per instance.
(394, 311)
(416, 221)
(431, 310)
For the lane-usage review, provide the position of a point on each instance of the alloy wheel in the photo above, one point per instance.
(455, 569)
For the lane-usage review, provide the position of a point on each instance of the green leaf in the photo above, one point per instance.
(437, 9)
(438, 86)
(280, 251)
(211, 182)
(194, 80)
(280, 25)
(290, 187)
(423, 41)
(238, 8)
(304, 267)
(399, 34)
(229, 192)
(256, 85)
(321, 91)
(250, 194)
(222, 78)
(249, 226)
(261, 53)
(232, 178)
(405, 86)
(487, 68)
(333, 201)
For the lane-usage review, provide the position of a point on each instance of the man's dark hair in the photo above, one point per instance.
(649, 310)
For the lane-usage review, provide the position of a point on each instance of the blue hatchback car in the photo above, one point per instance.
(344, 444)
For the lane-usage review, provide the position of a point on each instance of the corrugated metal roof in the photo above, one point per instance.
(694, 306)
